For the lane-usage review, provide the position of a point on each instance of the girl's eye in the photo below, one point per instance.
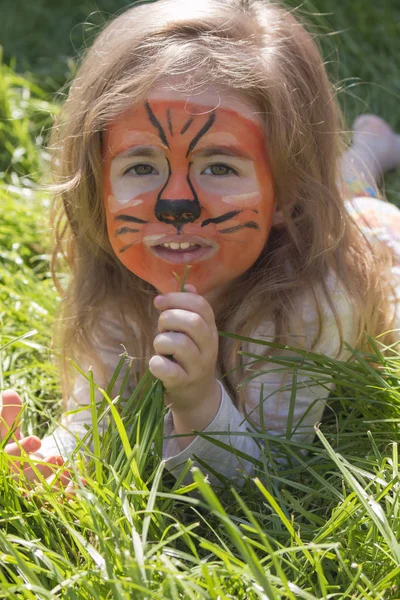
(142, 169)
(219, 169)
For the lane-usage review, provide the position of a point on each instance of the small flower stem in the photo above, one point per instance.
(182, 281)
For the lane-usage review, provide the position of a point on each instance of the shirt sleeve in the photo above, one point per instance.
(74, 422)
(77, 419)
(379, 221)
(293, 397)
(228, 426)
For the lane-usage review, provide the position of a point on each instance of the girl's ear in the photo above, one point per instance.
(277, 218)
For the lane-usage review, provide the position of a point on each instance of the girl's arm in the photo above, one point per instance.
(185, 361)
(77, 419)
(74, 422)
(228, 427)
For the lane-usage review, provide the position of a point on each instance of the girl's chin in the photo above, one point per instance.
(174, 285)
(212, 293)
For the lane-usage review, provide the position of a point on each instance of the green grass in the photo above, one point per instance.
(325, 524)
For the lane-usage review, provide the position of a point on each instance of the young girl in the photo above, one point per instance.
(207, 134)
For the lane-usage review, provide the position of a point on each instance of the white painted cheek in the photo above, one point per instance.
(128, 191)
(243, 200)
(227, 187)
(150, 239)
(114, 204)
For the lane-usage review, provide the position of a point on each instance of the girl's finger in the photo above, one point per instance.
(187, 301)
(170, 373)
(46, 470)
(180, 347)
(60, 480)
(28, 445)
(11, 410)
(190, 288)
(190, 323)
(71, 489)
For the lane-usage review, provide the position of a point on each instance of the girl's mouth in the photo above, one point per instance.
(181, 249)
(183, 253)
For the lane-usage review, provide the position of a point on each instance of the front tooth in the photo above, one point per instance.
(185, 245)
(166, 244)
(174, 246)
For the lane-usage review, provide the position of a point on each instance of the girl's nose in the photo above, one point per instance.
(178, 187)
(178, 202)
(177, 211)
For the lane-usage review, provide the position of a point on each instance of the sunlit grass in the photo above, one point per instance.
(325, 524)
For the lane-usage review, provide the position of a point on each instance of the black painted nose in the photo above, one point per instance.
(177, 211)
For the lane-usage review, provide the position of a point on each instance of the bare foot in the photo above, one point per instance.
(376, 144)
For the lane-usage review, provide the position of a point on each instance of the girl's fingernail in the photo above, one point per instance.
(190, 288)
(60, 461)
(158, 299)
(32, 444)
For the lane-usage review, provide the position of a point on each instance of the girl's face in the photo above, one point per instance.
(187, 182)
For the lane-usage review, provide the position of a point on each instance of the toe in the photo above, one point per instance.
(372, 124)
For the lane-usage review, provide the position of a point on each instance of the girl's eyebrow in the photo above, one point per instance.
(207, 152)
(234, 151)
(146, 151)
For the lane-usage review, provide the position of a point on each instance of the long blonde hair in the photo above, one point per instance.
(259, 49)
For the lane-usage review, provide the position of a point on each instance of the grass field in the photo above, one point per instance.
(326, 525)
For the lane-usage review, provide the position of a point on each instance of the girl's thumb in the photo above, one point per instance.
(190, 288)
(10, 413)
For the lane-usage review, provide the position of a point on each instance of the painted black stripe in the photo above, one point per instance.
(249, 225)
(154, 121)
(127, 247)
(123, 230)
(187, 125)
(160, 193)
(222, 218)
(129, 219)
(170, 122)
(202, 132)
(196, 200)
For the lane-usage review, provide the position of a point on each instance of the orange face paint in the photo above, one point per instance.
(185, 185)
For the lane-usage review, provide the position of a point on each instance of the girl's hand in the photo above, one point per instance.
(189, 335)
(10, 416)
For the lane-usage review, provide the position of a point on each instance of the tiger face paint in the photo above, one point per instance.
(187, 184)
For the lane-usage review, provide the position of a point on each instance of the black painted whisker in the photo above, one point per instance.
(127, 247)
(222, 218)
(129, 219)
(249, 225)
(123, 230)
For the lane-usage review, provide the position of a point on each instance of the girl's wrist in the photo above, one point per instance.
(198, 417)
